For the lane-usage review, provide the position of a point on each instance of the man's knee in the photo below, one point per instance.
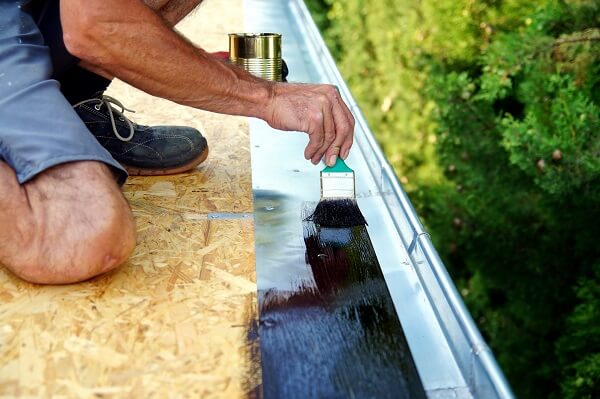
(80, 226)
(105, 242)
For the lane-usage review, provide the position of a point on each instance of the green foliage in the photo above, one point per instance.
(573, 122)
(579, 348)
(490, 113)
(556, 142)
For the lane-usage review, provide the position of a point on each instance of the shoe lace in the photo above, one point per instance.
(108, 101)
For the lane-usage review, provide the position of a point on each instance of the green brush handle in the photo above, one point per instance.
(339, 167)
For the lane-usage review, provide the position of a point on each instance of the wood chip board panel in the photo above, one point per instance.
(176, 320)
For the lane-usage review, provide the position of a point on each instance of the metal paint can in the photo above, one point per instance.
(257, 53)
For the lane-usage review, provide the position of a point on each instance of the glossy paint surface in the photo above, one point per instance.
(336, 335)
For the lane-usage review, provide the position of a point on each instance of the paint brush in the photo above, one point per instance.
(337, 207)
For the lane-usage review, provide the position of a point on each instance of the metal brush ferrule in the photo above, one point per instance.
(337, 185)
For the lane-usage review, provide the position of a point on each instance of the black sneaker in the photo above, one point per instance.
(142, 150)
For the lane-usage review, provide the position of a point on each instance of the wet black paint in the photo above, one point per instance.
(339, 212)
(337, 336)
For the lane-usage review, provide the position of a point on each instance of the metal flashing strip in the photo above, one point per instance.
(450, 354)
(217, 216)
(222, 215)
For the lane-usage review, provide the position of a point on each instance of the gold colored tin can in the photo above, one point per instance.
(257, 53)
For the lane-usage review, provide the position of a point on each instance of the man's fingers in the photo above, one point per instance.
(329, 132)
(338, 148)
(331, 155)
(345, 150)
(341, 134)
(348, 139)
(315, 137)
(344, 123)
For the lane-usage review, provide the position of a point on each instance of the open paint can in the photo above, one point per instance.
(257, 53)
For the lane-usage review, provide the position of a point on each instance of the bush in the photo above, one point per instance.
(490, 114)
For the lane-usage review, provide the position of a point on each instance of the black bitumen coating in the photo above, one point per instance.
(337, 213)
(339, 336)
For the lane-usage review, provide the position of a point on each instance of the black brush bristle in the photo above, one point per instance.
(341, 212)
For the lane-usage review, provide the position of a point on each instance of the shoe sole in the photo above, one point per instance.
(134, 171)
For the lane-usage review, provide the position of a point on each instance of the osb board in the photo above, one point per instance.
(221, 184)
(177, 319)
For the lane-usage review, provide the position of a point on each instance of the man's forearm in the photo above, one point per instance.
(128, 40)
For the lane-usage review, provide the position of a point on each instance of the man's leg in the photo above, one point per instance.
(62, 216)
(67, 224)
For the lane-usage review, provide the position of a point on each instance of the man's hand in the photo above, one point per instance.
(317, 110)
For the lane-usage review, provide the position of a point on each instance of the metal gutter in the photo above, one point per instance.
(451, 356)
